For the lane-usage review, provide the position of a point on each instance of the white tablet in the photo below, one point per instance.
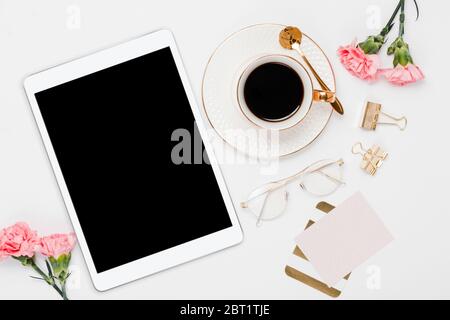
(119, 130)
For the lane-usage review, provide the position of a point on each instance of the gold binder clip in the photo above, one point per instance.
(372, 158)
(374, 116)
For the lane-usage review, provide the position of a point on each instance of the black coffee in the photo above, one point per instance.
(273, 91)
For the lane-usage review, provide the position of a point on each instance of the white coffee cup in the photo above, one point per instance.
(310, 94)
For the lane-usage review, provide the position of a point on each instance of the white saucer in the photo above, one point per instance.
(220, 99)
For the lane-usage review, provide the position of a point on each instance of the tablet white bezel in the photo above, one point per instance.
(164, 259)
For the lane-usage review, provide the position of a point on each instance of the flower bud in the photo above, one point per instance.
(391, 50)
(372, 45)
(25, 261)
(398, 43)
(400, 49)
(402, 56)
(60, 266)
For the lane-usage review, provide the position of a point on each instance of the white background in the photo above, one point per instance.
(410, 193)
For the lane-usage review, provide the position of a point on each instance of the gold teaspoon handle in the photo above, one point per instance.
(337, 106)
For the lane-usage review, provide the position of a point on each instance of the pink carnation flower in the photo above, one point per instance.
(57, 245)
(402, 76)
(359, 64)
(17, 241)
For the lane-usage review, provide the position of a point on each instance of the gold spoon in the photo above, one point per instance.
(290, 38)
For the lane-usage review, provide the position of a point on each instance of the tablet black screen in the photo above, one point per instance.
(112, 133)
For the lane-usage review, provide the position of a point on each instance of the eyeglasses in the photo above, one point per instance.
(269, 201)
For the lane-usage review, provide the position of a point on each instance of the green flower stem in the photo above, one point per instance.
(47, 278)
(389, 25)
(63, 287)
(29, 262)
(40, 272)
(401, 31)
(373, 44)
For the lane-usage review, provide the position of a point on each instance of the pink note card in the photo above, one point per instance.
(344, 239)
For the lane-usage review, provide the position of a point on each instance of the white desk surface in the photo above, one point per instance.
(410, 193)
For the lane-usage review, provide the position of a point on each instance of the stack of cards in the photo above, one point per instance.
(341, 241)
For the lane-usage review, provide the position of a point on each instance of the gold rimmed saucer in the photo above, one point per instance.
(219, 93)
